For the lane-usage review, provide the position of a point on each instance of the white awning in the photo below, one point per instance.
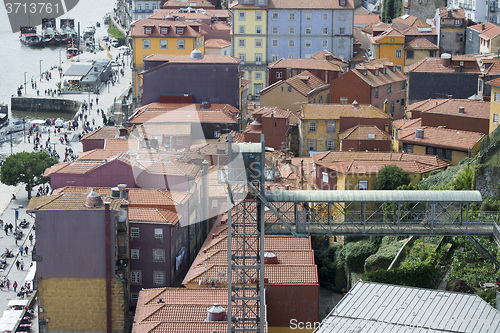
(73, 77)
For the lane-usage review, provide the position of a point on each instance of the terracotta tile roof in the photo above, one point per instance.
(309, 64)
(433, 65)
(479, 27)
(490, 33)
(162, 13)
(390, 32)
(422, 105)
(327, 55)
(305, 82)
(373, 162)
(138, 197)
(180, 327)
(371, 78)
(277, 113)
(442, 137)
(155, 215)
(191, 29)
(245, 82)
(185, 58)
(69, 201)
(106, 132)
(456, 13)
(360, 132)
(337, 111)
(490, 66)
(375, 27)
(55, 168)
(217, 43)
(163, 129)
(97, 155)
(494, 82)
(421, 43)
(121, 145)
(181, 3)
(296, 4)
(473, 109)
(184, 113)
(285, 257)
(411, 123)
(365, 19)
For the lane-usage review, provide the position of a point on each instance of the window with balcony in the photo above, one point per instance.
(136, 277)
(258, 58)
(134, 232)
(163, 44)
(146, 44)
(181, 45)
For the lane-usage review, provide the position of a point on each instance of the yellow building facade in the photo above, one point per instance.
(494, 104)
(250, 44)
(150, 36)
(391, 45)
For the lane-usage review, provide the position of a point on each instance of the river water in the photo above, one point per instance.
(17, 58)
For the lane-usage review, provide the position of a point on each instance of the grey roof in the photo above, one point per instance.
(371, 307)
(245, 147)
(80, 69)
(374, 196)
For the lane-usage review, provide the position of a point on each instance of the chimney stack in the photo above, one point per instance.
(461, 110)
(445, 60)
(419, 133)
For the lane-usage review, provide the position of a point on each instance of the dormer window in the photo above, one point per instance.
(180, 31)
(164, 30)
(376, 72)
(342, 2)
(148, 30)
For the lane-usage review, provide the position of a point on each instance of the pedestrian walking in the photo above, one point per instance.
(21, 265)
(21, 250)
(26, 250)
(17, 264)
(6, 228)
(14, 286)
(97, 100)
(31, 239)
(8, 284)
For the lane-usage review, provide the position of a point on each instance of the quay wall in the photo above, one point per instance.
(44, 104)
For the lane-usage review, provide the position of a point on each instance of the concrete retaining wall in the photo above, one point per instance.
(44, 104)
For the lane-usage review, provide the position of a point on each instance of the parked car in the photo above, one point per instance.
(105, 38)
(115, 43)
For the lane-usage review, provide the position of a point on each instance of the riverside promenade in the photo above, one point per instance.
(107, 97)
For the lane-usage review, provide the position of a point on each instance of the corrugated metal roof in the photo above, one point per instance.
(376, 307)
(245, 147)
(374, 196)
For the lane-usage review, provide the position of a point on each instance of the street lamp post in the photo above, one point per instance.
(25, 83)
(41, 70)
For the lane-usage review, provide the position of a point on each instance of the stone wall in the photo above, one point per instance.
(44, 104)
(79, 304)
(488, 180)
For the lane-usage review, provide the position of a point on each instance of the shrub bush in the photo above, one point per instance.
(385, 254)
(357, 252)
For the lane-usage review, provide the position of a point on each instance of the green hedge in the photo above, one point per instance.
(357, 252)
(385, 254)
(415, 275)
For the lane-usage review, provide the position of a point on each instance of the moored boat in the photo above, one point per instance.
(72, 50)
(30, 37)
(68, 33)
(50, 35)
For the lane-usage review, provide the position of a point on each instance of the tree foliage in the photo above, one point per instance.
(391, 177)
(27, 168)
(391, 9)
